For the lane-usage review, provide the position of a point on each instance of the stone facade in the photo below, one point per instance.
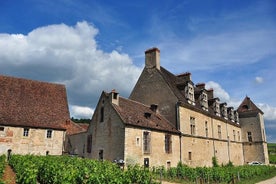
(168, 119)
(34, 117)
(37, 142)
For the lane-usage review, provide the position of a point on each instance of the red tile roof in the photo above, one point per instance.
(31, 103)
(136, 114)
(74, 128)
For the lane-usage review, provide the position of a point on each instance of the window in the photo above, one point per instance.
(219, 131)
(49, 133)
(101, 155)
(168, 143)
(146, 140)
(239, 137)
(168, 164)
(206, 128)
(204, 101)
(146, 162)
(137, 141)
(190, 155)
(102, 114)
(249, 136)
(234, 135)
(2, 128)
(89, 143)
(189, 93)
(192, 124)
(26, 132)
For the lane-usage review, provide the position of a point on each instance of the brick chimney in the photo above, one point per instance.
(152, 58)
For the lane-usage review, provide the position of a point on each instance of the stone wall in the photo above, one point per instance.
(134, 153)
(108, 135)
(35, 143)
(212, 137)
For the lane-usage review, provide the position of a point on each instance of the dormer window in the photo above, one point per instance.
(223, 110)
(189, 94)
(216, 108)
(236, 117)
(204, 101)
(231, 113)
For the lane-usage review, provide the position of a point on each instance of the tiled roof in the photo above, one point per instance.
(248, 106)
(136, 114)
(74, 128)
(32, 103)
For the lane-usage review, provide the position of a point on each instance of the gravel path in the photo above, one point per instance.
(270, 181)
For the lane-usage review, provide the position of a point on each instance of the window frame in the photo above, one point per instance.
(168, 143)
(49, 133)
(146, 142)
(249, 136)
(26, 132)
(192, 126)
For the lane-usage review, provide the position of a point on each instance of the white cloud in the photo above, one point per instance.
(269, 111)
(68, 55)
(218, 91)
(227, 49)
(259, 80)
(81, 112)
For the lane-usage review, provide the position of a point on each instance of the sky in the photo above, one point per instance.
(94, 46)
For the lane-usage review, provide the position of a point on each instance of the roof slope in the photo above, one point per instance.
(247, 106)
(32, 103)
(136, 114)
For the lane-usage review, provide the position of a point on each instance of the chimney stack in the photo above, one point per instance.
(114, 97)
(152, 58)
(187, 76)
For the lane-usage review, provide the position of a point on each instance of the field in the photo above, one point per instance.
(272, 152)
(64, 169)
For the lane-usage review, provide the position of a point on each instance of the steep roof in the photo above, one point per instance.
(32, 103)
(247, 106)
(136, 114)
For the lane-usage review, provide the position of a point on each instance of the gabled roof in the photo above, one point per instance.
(139, 115)
(31, 103)
(247, 106)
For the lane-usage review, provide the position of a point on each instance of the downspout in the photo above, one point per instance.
(228, 142)
(214, 149)
(178, 128)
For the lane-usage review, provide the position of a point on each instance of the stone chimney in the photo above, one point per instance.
(200, 86)
(114, 97)
(210, 93)
(152, 58)
(187, 76)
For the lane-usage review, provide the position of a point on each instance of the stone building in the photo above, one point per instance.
(34, 117)
(169, 119)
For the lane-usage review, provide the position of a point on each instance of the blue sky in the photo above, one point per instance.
(92, 46)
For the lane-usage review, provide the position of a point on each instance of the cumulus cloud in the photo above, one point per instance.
(81, 112)
(68, 55)
(218, 91)
(269, 111)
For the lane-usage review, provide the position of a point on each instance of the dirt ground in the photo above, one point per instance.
(9, 175)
